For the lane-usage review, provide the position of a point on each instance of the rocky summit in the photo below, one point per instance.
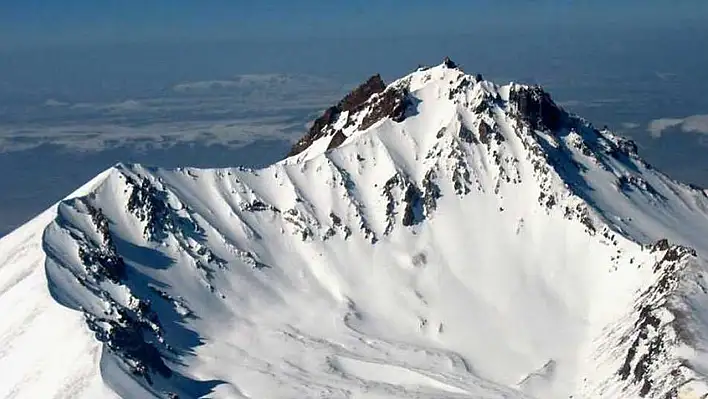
(441, 236)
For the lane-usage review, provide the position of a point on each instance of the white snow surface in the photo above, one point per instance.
(419, 259)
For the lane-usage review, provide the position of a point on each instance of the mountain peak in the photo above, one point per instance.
(370, 100)
(448, 63)
(537, 107)
(362, 93)
(439, 236)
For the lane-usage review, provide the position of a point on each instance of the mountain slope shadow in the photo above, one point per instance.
(141, 327)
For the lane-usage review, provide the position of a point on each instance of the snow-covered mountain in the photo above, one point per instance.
(440, 236)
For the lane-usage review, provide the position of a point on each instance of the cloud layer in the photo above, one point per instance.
(98, 137)
(690, 124)
(232, 113)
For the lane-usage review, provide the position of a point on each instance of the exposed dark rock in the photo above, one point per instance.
(251, 259)
(625, 147)
(388, 187)
(623, 183)
(147, 204)
(551, 202)
(486, 104)
(536, 107)
(101, 261)
(465, 82)
(316, 131)
(336, 220)
(150, 205)
(467, 135)
(329, 234)
(256, 206)
(413, 213)
(126, 339)
(337, 225)
(431, 192)
(649, 331)
(337, 140)
(391, 104)
(487, 134)
(671, 255)
(449, 63)
(371, 97)
(485, 131)
(461, 176)
(361, 94)
(661, 245)
(584, 218)
(352, 102)
(299, 222)
(629, 182)
(99, 220)
(259, 206)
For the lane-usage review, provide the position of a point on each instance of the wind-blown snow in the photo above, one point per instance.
(471, 250)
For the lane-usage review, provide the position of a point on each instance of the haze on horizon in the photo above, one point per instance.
(84, 85)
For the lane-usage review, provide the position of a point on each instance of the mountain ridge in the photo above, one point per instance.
(154, 258)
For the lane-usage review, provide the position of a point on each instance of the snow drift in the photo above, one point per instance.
(440, 236)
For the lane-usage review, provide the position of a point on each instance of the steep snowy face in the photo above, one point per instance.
(440, 236)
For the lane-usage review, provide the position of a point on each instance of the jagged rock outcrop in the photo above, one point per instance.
(535, 106)
(648, 346)
(362, 94)
(101, 260)
(127, 323)
(364, 106)
(449, 63)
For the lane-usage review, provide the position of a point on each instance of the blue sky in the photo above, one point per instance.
(39, 22)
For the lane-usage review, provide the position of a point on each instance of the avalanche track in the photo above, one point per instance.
(440, 236)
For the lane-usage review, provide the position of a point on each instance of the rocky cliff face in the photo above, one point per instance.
(366, 105)
(537, 108)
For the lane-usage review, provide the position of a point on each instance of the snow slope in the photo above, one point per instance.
(438, 237)
(46, 349)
